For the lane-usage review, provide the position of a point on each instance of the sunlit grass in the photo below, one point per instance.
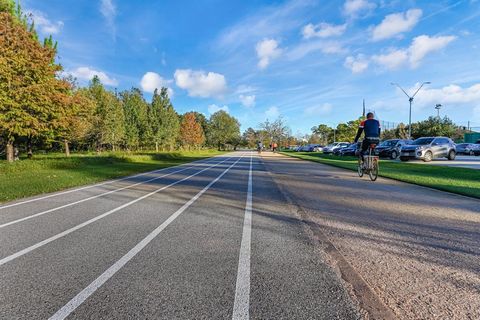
(53, 172)
(453, 179)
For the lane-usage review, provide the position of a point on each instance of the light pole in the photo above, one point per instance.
(410, 99)
(438, 106)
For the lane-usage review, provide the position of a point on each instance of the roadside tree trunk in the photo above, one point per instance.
(156, 146)
(29, 148)
(9, 151)
(67, 148)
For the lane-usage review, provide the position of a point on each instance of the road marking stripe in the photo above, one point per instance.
(86, 223)
(241, 305)
(92, 186)
(67, 309)
(92, 197)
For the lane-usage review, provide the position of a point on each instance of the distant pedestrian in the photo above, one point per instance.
(274, 147)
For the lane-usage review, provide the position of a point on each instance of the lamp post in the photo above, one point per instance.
(410, 100)
(438, 106)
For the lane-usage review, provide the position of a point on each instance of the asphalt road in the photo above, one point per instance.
(241, 236)
(209, 240)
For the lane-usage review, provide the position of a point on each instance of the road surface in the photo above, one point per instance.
(241, 236)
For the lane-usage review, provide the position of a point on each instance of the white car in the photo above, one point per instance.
(333, 146)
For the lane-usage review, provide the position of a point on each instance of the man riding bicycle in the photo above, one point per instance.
(371, 127)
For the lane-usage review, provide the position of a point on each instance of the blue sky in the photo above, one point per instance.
(309, 61)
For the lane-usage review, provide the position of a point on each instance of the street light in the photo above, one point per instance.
(438, 106)
(410, 99)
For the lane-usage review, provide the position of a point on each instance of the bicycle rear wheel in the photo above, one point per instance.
(373, 172)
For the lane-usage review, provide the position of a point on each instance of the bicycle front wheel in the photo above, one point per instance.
(360, 168)
(373, 173)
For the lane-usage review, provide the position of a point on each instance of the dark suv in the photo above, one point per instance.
(391, 148)
(429, 148)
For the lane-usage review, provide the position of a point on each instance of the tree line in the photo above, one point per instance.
(41, 109)
(433, 126)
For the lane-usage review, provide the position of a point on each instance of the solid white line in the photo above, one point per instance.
(67, 309)
(86, 223)
(91, 186)
(92, 197)
(241, 305)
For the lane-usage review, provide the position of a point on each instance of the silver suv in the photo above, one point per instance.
(429, 148)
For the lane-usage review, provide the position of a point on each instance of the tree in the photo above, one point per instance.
(434, 126)
(163, 120)
(347, 131)
(135, 111)
(191, 132)
(108, 120)
(277, 131)
(223, 129)
(31, 96)
(250, 138)
(324, 133)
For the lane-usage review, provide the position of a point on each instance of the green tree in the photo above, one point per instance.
(164, 121)
(250, 138)
(434, 126)
(223, 130)
(109, 120)
(135, 111)
(324, 133)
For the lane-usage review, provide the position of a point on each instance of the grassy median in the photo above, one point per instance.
(53, 172)
(462, 181)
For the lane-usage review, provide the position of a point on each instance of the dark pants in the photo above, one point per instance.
(367, 142)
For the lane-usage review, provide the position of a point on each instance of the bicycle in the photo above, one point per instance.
(368, 164)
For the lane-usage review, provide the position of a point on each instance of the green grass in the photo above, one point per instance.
(462, 181)
(53, 172)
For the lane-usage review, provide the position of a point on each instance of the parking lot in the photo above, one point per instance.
(471, 162)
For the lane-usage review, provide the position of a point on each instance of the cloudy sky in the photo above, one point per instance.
(309, 61)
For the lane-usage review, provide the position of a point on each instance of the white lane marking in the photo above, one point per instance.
(92, 197)
(241, 305)
(67, 309)
(86, 223)
(91, 186)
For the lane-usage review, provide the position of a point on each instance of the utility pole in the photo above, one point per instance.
(438, 106)
(410, 100)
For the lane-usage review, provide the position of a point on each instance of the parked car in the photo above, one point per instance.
(428, 148)
(391, 148)
(337, 151)
(313, 148)
(466, 148)
(348, 151)
(331, 147)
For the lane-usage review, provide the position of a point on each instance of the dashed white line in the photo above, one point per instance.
(241, 305)
(91, 198)
(86, 223)
(66, 310)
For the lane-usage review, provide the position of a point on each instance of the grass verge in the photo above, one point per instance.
(462, 181)
(53, 172)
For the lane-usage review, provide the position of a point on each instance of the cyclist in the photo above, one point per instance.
(259, 146)
(371, 128)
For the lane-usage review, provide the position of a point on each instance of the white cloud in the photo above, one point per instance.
(109, 12)
(323, 30)
(392, 60)
(423, 45)
(247, 101)
(396, 23)
(200, 83)
(323, 109)
(354, 8)
(272, 113)
(356, 64)
(87, 73)
(243, 89)
(267, 50)
(449, 95)
(43, 24)
(305, 48)
(151, 81)
(214, 108)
